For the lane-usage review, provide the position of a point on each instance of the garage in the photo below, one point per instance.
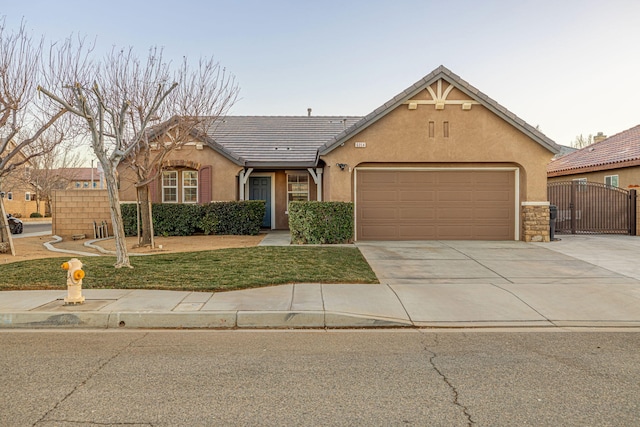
(436, 204)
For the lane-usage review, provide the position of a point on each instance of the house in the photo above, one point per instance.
(19, 196)
(611, 168)
(79, 178)
(614, 161)
(441, 160)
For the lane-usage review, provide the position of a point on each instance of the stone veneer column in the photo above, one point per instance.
(535, 221)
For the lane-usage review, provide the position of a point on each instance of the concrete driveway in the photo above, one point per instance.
(580, 280)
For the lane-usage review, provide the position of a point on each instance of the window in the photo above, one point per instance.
(297, 188)
(611, 180)
(9, 195)
(77, 185)
(582, 184)
(85, 184)
(27, 197)
(170, 187)
(190, 186)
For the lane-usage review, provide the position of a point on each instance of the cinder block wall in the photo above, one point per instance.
(74, 212)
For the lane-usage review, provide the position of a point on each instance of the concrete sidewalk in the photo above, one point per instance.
(589, 281)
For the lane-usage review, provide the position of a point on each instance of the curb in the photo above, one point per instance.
(195, 320)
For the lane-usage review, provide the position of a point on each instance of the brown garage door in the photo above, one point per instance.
(394, 204)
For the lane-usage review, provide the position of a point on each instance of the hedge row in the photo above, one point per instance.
(321, 222)
(239, 218)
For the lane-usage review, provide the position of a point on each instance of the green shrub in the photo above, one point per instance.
(35, 215)
(176, 219)
(237, 217)
(321, 222)
(129, 219)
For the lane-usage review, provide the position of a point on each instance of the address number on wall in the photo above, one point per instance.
(361, 144)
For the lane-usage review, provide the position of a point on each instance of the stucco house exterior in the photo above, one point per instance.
(613, 161)
(441, 160)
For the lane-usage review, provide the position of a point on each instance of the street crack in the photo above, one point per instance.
(91, 375)
(454, 391)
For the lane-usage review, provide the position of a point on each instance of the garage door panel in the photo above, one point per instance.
(417, 214)
(435, 204)
(408, 232)
(417, 196)
(415, 178)
(381, 232)
(455, 195)
(492, 196)
(377, 214)
(380, 196)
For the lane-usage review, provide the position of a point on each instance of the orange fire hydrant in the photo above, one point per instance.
(75, 274)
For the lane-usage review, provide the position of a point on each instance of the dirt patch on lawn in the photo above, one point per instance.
(33, 247)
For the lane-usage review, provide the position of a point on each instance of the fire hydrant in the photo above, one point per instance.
(75, 274)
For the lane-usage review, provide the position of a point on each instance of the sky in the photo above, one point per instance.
(570, 67)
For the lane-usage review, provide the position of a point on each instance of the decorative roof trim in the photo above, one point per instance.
(441, 73)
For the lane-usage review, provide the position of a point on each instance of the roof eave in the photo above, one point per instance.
(280, 165)
(594, 168)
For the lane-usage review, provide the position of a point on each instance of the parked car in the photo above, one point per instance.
(15, 225)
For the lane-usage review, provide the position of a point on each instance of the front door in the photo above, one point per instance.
(260, 189)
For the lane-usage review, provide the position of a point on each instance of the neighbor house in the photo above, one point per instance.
(441, 160)
(611, 164)
(614, 161)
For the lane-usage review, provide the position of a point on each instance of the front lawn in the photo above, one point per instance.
(219, 270)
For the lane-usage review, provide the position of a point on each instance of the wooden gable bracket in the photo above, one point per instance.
(439, 99)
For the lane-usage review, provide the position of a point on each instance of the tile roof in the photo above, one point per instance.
(620, 150)
(442, 73)
(77, 174)
(276, 140)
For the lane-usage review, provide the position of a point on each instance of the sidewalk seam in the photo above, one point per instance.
(401, 304)
(525, 303)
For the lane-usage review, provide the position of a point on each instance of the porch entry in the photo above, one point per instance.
(593, 208)
(260, 189)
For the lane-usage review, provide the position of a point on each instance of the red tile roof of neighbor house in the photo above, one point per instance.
(618, 151)
(77, 174)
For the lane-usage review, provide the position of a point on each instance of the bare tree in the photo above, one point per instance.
(582, 141)
(25, 118)
(117, 99)
(203, 95)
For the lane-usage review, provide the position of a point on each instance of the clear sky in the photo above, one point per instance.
(569, 66)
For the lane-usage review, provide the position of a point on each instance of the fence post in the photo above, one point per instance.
(572, 206)
(633, 213)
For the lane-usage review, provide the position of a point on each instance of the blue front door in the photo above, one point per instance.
(260, 189)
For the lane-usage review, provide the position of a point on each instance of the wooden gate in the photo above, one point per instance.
(593, 208)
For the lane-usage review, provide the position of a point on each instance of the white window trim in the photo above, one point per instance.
(301, 173)
(610, 177)
(169, 186)
(190, 186)
(27, 197)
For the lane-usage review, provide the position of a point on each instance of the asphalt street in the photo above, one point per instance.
(337, 377)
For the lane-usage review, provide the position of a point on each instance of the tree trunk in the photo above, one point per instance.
(145, 237)
(5, 232)
(122, 256)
